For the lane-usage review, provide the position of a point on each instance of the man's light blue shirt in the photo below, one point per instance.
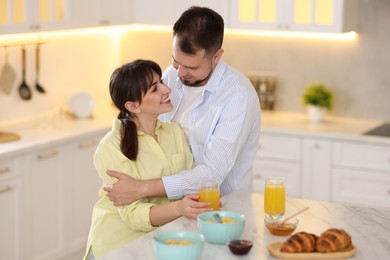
(224, 132)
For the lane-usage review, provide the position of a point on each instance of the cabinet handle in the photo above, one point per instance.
(5, 170)
(47, 155)
(257, 177)
(87, 144)
(5, 189)
(317, 146)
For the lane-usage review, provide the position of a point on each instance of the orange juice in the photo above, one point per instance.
(274, 199)
(210, 195)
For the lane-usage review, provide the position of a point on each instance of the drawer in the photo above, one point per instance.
(8, 168)
(360, 155)
(280, 147)
(363, 188)
(291, 171)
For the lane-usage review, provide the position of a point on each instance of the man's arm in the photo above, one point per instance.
(127, 189)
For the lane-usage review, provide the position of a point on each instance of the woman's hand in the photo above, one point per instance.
(190, 207)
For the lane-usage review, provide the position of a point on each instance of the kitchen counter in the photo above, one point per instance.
(44, 130)
(332, 127)
(368, 227)
(48, 129)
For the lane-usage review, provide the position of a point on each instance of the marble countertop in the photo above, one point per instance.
(368, 227)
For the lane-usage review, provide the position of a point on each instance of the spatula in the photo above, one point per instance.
(8, 76)
(38, 86)
(24, 90)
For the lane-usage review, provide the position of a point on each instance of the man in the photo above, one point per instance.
(217, 107)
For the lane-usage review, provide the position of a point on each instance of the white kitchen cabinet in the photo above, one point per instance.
(92, 13)
(82, 185)
(11, 225)
(317, 160)
(361, 174)
(278, 155)
(168, 11)
(44, 196)
(296, 15)
(18, 16)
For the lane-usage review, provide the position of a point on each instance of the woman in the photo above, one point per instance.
(145, 148)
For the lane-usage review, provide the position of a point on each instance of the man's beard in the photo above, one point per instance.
(197, 82)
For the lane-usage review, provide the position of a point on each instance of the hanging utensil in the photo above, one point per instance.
(24, 90)
(8, 75)
(38, 87)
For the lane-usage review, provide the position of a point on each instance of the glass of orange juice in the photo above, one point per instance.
(274, 197)
(209, 191)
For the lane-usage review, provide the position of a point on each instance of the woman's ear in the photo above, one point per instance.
(132, 107)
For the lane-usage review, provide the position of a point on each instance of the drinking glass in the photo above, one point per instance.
(274, 197)
(209, 191)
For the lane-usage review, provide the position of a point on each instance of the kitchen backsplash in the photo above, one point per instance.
(357, 71)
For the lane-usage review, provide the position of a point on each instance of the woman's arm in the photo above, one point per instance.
(188, 207)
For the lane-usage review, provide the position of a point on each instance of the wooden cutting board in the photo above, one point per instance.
(8, 137)
(274, 250)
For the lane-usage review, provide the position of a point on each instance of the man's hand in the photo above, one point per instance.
(125, 191)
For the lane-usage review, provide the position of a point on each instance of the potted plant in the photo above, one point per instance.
(318, 98)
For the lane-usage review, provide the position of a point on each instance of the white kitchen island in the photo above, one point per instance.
(368, 227)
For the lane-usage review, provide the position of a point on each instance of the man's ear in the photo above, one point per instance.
(132, 107)
(218, 54)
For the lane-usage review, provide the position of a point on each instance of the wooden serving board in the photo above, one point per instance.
(274, 250)
(8, 137)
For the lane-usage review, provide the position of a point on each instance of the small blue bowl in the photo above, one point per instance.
(221, 233)
(178, 245)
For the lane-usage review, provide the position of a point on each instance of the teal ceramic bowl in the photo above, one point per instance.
(178, 245)
(221, 233)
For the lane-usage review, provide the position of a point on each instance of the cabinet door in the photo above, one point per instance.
(82, 191)
(363, 188)
(18, 16)
(88, 13)
(296, 15)
(316, 174)
(44, 206)
(152, 11)
(11, 241)
(265, 168)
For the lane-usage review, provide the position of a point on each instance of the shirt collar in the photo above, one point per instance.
(159, 126)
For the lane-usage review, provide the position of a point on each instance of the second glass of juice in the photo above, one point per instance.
(274, 197)
(209, 191)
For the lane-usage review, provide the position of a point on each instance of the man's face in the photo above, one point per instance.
(193, 70)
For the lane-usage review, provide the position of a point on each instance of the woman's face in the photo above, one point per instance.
(156, 100)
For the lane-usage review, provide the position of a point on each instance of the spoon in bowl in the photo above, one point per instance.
(218, 217)
(293, 215)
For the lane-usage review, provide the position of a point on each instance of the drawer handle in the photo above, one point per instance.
(5, 170)
(47, 155)
(257, 177)
(87, 144)
(5, 189)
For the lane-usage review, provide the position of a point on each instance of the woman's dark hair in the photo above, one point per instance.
(199, 28)
(129, 83)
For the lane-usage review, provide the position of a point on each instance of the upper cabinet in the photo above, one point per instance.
(91, 13)
(168, 11)
(296, 15)
(33, 15)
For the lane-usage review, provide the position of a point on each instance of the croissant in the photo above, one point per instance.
(333, 240)
(300, 242)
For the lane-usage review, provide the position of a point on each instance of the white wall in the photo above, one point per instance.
(357, 71)
(82, 60)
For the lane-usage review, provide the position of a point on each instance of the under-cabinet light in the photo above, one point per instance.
(348, 36)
